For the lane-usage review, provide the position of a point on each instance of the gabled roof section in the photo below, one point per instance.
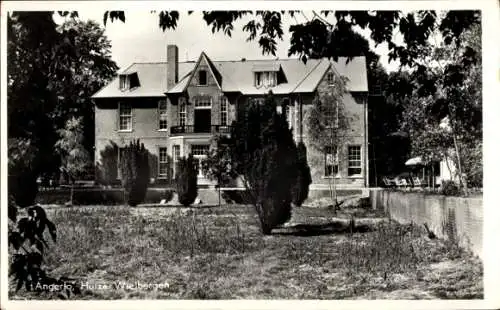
(211, 66)
(266, 67)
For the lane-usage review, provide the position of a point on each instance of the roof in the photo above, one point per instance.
(301, 78)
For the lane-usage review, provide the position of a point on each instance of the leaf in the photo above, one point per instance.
(52, 230)
(105, 18)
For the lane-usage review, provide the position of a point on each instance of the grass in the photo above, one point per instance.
(219, 253)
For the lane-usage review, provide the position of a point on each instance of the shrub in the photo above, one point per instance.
(450, 188)
(26, 239)
(186, 181)
(265, 154)
(23, 187)
(301, 187)
(106, 169)
(134, 167)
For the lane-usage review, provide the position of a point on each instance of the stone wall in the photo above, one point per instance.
(454, 218)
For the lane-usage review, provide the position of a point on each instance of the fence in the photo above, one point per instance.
(457, 219)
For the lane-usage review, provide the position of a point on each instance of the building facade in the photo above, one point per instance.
(175, 108)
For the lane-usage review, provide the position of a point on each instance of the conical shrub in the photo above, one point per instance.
(135, 173)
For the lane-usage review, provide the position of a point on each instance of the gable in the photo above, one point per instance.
(204, 73)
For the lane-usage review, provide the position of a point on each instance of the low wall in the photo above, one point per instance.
(454, 218)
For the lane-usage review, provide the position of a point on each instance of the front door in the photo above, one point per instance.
(202, 120)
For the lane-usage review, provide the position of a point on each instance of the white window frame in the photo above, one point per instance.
(162, 115)
(224, 106)
(162, 161)
(200, 156)
(176, 154)
(124, 116)
(203, 102)
(331, 159)
(182, 113)
(351, 160)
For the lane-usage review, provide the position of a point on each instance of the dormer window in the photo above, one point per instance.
(266, 79)
(129, 81)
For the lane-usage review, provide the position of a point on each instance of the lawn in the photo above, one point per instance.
(219, 253)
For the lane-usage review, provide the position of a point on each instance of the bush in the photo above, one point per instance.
(23, 187)
(450, 188)
(301, 187)
(134, 166)
(105, 170)
(265, 154)
(97, 196)
(186, 181)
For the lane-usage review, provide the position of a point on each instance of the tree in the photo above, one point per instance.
(52, 72)
(265, 155)
(328, 126)
(301, 188)
(74, 156)
(217, 166)
(107, 168)
(134, 167)
(186, 180)
(312, 37)
(444, 114)
(23, 185)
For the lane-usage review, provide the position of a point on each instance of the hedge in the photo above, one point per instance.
(94, 196)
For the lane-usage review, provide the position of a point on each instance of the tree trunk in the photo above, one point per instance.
(71, 193)
(463, 186)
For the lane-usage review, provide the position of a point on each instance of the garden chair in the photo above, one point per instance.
(388, 183)
(401, 183)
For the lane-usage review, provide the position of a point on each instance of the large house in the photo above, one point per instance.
(175, 108)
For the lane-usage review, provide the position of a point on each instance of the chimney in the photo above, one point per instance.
(172, 65)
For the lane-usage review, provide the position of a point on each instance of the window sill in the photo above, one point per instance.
(163, 130)
(331, 177)
(125, 130)
(355, 176)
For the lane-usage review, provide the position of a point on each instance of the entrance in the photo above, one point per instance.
(202, 120)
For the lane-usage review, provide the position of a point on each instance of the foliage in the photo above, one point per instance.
(107, 167)
(301, 187)
(134, 168)
(329, 124)
(319, 35)
(22, 174)
(26, 239)
(264, 154)
(449, 188)
(74, 157)
(443, 115)
(53, 70)
(217, 166)
(186, 180)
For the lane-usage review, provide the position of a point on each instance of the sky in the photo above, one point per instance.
(140, 39)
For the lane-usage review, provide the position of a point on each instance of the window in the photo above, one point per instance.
(332, 115)
(223, 111)
(203, 102)
(176, 154)
(199, 149)
(267, 79)
(162, 112)
(330, 78)
(182, 113)
(123, 82)
(125, 117)
(162, 163)
(354, 158)
(202, 77)
(331, 161)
